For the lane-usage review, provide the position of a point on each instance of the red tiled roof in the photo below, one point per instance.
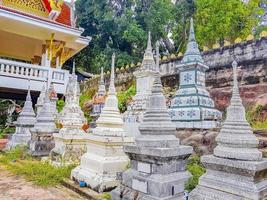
(37, 17)
(65, 15)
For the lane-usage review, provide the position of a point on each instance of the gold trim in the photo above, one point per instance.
(34, 7)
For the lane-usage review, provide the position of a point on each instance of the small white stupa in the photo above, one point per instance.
(70, 144)
(104, 157)
(144, 80)
(24, 123)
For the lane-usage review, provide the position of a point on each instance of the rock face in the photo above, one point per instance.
(192, 106)
(144, 81)
(70, 143)
(203, 141)
(42, 141)
(236, 170)
(104, 157)
(24, 123)
(157, 159)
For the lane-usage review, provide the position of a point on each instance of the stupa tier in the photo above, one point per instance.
(104, 157)
(70, 143)
(158, 161)
(236, 170)
(98, 100)
(42, 141)
(145, 76)
(24, 123)
(192, 106)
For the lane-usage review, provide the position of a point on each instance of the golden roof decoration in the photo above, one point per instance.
(35, 7)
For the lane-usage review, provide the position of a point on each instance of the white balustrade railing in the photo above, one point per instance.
(31, 72)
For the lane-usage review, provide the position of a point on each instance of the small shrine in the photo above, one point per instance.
(236, 170)
(24, 123)
(158, 161)
(104, 157)
(70, 143)
(42, 141)
(144, 80)
(98, 100)
(192, 106)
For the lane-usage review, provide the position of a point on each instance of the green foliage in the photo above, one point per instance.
(195, 167)
(122, 28)
(60, 105)
(40, 173)
(125, 97)
(219, 20)
(106, 196)
(85, 97)
(254, 117)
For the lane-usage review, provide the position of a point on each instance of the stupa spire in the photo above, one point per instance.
(157, 57)
(148, 62)
(101, 89)
(73, 67)
(112, 90)
(192, 53)
(236, 139)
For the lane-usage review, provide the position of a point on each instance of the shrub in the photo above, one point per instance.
(125, 97)
(195, 167)
(60, 105)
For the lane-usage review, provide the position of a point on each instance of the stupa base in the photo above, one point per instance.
(126, 193)
(68, 148)
(18, 140)
(155, 173)
(196, 124)
(103, 160)
(96, 181)
(231, 179)
(41, 148)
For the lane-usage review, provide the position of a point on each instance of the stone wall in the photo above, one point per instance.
(250, 55)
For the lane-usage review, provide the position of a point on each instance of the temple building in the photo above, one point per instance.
(145, 76)
(98, 100)
(70, 142)
(192, 106)
(37, 37)
(104, 158)
(237, 169)
(158, 161)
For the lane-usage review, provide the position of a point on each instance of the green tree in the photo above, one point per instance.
(218, 20)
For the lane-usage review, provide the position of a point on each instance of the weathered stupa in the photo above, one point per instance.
(192, 106)
(24, 123)
(40, 100)
(104, 157)
(98, 100)
(70, 143)
(236, 170)
(158, 161)
(145, 76)
(42, 141)
(53, 100)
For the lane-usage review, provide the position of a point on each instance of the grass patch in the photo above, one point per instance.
(40, 173)
(195, 167)
(254, 115)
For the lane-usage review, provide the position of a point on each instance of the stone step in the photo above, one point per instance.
(83, 191)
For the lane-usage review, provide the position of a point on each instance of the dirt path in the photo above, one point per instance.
(13, 187)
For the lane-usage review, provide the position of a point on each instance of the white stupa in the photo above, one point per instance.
(104, 157)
